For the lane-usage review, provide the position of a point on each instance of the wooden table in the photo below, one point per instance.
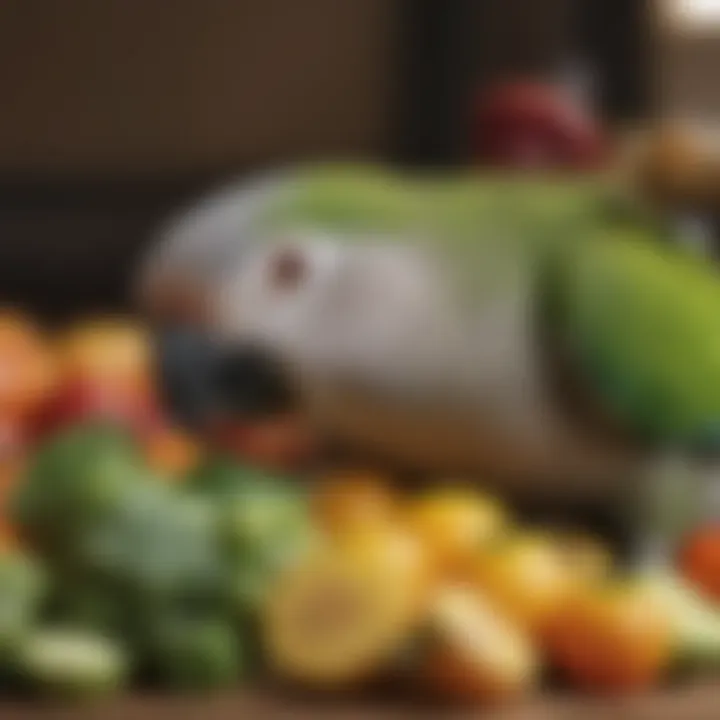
(699, 702)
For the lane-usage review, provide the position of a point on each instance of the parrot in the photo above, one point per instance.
(545, 334)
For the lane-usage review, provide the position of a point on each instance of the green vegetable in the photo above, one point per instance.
(196, 654)
(263, 523)
(220, 476)
(158, 542)
(22, 589)
(72, 664)
(175, 574)
(91, 602)
(74, 481)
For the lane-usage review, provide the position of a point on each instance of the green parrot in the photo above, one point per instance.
(545, 334)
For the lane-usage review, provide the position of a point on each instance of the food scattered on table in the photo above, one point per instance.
(133, 551)
(474, 652)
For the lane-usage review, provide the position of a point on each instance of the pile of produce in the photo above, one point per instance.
(131, 558)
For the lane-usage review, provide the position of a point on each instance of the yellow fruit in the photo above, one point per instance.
(394, 552)
(112, 350)
(475, 653)
(335, 619)
(353, 499)
(455, 524)
(527, 577)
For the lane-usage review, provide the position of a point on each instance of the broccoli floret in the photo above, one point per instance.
(196, 653)
(73, 481)
(158, 544)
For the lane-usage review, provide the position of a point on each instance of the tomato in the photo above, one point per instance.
(27, 370)
(353, 499)
(172, 452)
(77, 401)
(612, 639)
(455, 524)
(700, 560)
(526, 576)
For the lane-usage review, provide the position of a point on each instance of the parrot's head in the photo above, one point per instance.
(288, 310)
(325, 305)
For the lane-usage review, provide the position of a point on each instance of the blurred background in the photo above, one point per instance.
(114, 112)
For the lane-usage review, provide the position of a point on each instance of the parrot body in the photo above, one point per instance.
(527, 331)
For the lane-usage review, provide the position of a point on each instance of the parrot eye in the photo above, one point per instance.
(288, 269)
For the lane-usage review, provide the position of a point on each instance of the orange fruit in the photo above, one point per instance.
(611, 639)
(172, 452)
(27, 369)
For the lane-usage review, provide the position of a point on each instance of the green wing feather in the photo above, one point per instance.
(643, 321)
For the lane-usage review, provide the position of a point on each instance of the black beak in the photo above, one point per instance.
(253, 383)
(200, 380)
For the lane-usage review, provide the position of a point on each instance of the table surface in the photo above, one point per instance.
(697, 702)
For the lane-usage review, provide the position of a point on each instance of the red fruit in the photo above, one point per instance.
(79, 401)
(533, 125)
(700, 560)
(277, 443)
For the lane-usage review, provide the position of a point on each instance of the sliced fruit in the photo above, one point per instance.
(333, 620)
(700, 560)
(474, 653)
(527, 577)
(455, 524)
(612, 639)
(351, 500)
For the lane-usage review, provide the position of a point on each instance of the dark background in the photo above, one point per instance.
(113, 113)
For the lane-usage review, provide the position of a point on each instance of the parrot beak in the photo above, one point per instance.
(202, 381)
(253, 382)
